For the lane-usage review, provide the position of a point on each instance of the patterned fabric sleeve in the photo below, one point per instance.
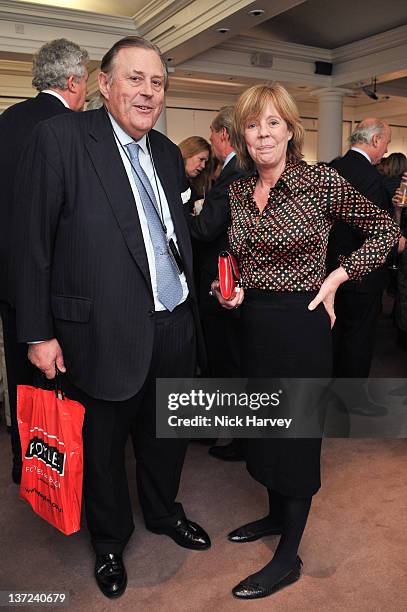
(345, 203)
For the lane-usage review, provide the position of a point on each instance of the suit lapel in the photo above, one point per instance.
(109, 167)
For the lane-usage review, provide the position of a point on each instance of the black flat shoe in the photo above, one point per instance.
(185, 533)
(249, 533)
(251, 589)
(110, 574)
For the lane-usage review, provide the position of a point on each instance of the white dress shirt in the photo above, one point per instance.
(228, 158)
(146, 163)
(362, 153)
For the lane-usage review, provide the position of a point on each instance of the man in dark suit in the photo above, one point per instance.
(209, 229)
(108, 251)
(358, 304)
(60, 75)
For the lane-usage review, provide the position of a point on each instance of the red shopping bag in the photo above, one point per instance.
(50, 429)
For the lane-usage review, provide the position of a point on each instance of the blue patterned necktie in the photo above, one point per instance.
(169, 289)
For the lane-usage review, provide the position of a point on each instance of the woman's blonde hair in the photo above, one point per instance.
(192, 146)
(251, 105)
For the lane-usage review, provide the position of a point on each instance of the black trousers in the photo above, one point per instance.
(19, 372)
(354, 332)
(158, 461)
(281, 338)
(221, 332)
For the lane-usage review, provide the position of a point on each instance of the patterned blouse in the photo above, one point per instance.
(284, 247)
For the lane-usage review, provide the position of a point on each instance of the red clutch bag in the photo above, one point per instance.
(229, 275)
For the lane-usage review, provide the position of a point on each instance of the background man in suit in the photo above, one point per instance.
(209, 228)
(60, 75)
(114, 308)
(358, 304)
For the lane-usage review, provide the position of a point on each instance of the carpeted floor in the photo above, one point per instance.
(354, 547)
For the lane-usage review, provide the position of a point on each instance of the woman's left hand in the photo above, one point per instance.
(234, 302)
(326, 294)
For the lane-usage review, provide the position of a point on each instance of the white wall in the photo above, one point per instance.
(184, 122)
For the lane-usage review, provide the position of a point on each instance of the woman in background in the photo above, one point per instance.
(392, 168)
(196, 153)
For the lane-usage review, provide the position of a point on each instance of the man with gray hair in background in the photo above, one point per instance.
(209, 230)
(60, 75)
(358, 303)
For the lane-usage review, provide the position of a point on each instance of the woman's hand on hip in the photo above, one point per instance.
(229, 304)
(327, 291)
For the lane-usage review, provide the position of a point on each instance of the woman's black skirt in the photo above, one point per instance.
(281, 338)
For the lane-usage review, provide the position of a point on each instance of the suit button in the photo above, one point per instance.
(150, 313)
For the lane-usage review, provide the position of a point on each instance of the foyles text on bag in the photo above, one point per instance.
(50, 427)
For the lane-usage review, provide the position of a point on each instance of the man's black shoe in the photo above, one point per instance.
(229, 452)
(185, 533)
(110, 574)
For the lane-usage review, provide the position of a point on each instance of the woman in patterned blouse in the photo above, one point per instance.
(280, 220)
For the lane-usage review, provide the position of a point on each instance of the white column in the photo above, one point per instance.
(161, 124)
(329, 123)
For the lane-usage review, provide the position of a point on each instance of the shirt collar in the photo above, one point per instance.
(124, 138)
(291, 174)
(362, 153)
(51, 92)
(228, 158)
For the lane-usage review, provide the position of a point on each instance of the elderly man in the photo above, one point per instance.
(60, 75)
(108, 252)
(358, 304)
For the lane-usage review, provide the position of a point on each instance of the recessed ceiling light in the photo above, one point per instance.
(223, 30)
(256, 12)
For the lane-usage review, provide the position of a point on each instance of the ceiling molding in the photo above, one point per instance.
(193, 19)
(371, 45)
(155, 12)
(16, 86)
(23, 12)
(15, 67)
(366, 67)
(277, 48)
(237, 64)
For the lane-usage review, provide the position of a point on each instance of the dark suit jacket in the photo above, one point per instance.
(16, 126)
(360, 173)
(85, 277)
(210, 227)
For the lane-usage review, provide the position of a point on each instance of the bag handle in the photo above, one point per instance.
(42, 382)
(57, 384)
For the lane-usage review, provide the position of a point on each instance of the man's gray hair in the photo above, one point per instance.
(364, 132)
(224, 119)
(56, 61)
